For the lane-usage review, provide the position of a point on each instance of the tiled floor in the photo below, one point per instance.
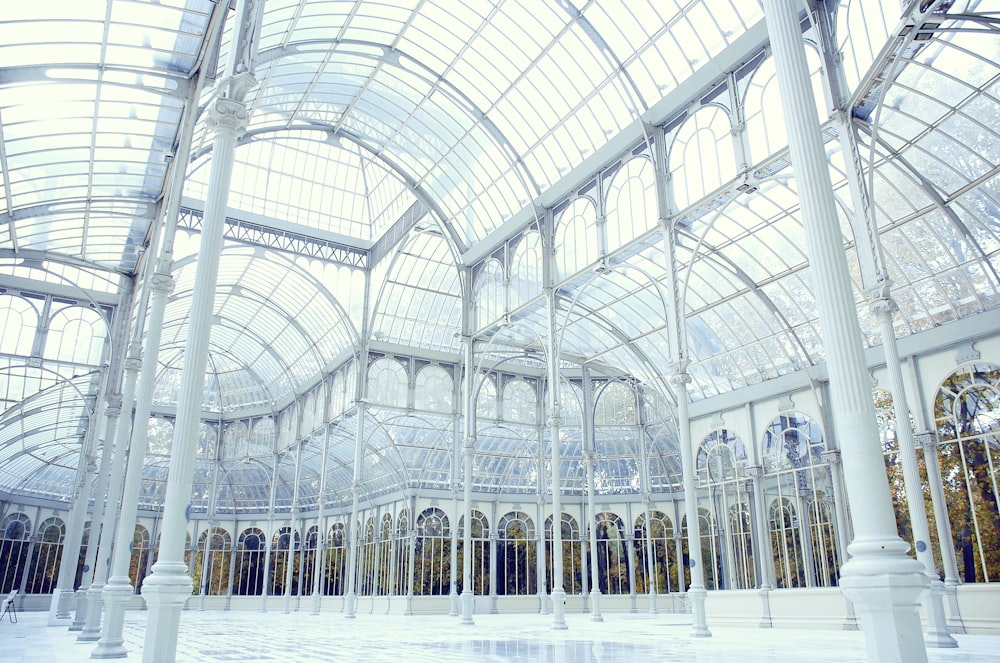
(211, 637)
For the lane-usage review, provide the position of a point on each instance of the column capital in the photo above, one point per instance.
(161, 283)
(832, 457)
(927, 440)
(133, 364)
(228, 115)
(756, 472)
(679, 375)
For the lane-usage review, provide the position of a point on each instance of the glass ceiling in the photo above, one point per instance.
(429, 133)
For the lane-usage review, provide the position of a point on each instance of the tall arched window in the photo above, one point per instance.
(489, 294)
(967, 416)
(526, 270)
(516, 545)
(765, 129)
(45, 561)
(432, 575)
(701, 155)
(139, 562)
(310, 550)
(212, 562)
(337, 396)
(576, 237)
(798, 493)
(664, 563)
(722, 470)
(367, 560)
(387, 382)
(249, 572)
(616, 406)
(76, 334)
(383, 565)
(336, 562)
(283, 547)
(486, 399)
(571, 554)
(402, 553)
(612, 563)
(13, 550)
(236, 441)
(480, 553)
(433, 389)
(631, 202)
(20, 324)
(520, 403)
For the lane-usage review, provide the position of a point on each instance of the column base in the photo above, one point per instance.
(453, 604)
(885, 587)
(559, 610)
(80, 617)
(765, 608)
(165, 591)
(595, 602)
(315, 604)
(350, 606)
(91, 631)
(117, 593)
(60, 607)
(955, 622)
(699, 627)
(543, 608)
(936, 635)
(652, 604)
(468, 606)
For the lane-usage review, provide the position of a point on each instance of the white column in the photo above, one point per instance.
(543, 608)
(555, 420)
(468, 596)
(696, 592)
(650, 559)
(59, 608)
(96, 517)
(453, 600)
(880, 579)
(351, 596)
(591, 520)
(290, 560)
(936, 634)
(169, 586)
(928, 442)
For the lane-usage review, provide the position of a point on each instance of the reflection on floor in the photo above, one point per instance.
(210, 637)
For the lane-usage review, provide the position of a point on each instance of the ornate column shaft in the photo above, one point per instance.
(351, 596)
(936, 634)
(696, 592)
(595, 581)
(761, 535)
(882, 581)
(169, 586)
(468, 596)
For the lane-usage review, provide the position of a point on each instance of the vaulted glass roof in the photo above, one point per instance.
(399, 158)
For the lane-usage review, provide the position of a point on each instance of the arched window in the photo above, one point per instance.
(571, 555)
(576, 237)
(13, 550)
(488, 297)
(262, 437)
(45, 561)
(526, 270)
(236, 441)
(432, 575)
(486, 399)
(520, 403)
(383, 565)
(722, 468)
(612, 562)
(631, 202)
(616, 406)
(516, 545)
(139, 562)
(402, 566)
(433, 390)
(799, 494)
(367, 560)
(387, 382)
(288, 425)
(19, 327)
(215, 546)
(337, 395)
(335, 577)
(664, 563)
(967, 416)
(283, 548)
(249, 572)
(480, 553)
(701, 155)
(310, 550)
(76, 334)
(765, 129)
